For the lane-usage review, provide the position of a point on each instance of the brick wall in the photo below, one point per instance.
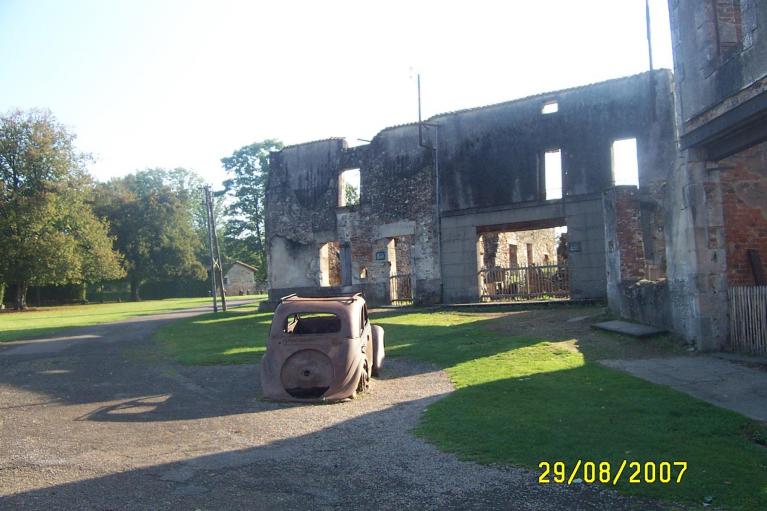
(629, 233)
(744, 202)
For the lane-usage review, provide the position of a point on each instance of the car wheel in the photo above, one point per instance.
(364, 382)
(378, 349)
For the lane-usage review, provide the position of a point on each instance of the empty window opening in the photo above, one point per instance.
(552, 165)
(330, 264)
(349, 188)
(550, 107)
(625, 163)
(312, 323)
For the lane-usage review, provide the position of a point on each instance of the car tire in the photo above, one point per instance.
(364, 383)
(378, 349)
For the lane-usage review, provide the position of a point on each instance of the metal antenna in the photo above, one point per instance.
(420, 124)
(649, 34)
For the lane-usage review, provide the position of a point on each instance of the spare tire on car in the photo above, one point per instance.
(321, 349)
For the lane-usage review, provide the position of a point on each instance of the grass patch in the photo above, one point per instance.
(44, 321)
(237, 336)
(528, 389)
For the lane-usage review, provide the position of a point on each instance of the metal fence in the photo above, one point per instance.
(550, 281)
(400, 289)
(748, 319)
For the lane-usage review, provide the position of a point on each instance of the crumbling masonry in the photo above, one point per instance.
(491, 184)
(667, 252)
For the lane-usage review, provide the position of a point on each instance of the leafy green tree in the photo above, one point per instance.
(351, 195)
(245, 230)
(151, 217)
(48, 232)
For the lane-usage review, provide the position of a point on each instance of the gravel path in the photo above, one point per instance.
(97, 420)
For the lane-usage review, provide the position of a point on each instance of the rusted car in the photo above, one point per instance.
(321, 349)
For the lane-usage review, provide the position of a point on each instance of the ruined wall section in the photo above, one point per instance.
(397, 200)
(301, 197)
(719, 50)
(492, 156)
(630, 294)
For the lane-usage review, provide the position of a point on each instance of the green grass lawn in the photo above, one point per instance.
(528, 389)
(237, 336)
(47, 320)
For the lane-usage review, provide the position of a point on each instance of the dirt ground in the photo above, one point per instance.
(96, 419)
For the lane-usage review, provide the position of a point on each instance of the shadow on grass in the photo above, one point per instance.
(591, 413)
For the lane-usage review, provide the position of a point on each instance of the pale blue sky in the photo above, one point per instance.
(148, 83)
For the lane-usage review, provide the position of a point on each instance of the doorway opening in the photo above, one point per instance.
(523, 264)
(330, 264)
(399, 251)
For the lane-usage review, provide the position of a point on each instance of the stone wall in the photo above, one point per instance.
(720, 59)
(510, 249)
(491, 178)
(396, 202)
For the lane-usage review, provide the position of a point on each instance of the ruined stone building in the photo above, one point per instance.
(717, 208)
(468, 200)
(467, 203)
(713, 205)
(435, 219)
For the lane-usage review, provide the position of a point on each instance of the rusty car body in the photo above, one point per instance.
(320, 349)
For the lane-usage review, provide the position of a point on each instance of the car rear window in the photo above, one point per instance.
(304, 323)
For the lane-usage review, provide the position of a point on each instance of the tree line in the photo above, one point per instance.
(58, 226)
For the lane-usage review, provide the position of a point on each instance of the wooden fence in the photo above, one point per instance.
(748, 319)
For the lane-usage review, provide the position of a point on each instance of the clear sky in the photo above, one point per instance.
(168, 83)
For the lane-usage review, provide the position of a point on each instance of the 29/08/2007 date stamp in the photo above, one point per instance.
(635, 472)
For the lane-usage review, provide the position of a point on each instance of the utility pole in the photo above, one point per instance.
(435, 152)
(215, 254)
(218, 257)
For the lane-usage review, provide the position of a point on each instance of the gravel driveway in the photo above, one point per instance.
(96, 419)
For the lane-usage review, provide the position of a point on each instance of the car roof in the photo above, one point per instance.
(342, 305)
(346, 307)
(343, 298)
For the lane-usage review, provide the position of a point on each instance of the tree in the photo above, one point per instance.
(48, 232)
(245, 227)
(150, 216)
(351, 195)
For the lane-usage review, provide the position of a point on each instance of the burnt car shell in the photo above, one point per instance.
(319, 349)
